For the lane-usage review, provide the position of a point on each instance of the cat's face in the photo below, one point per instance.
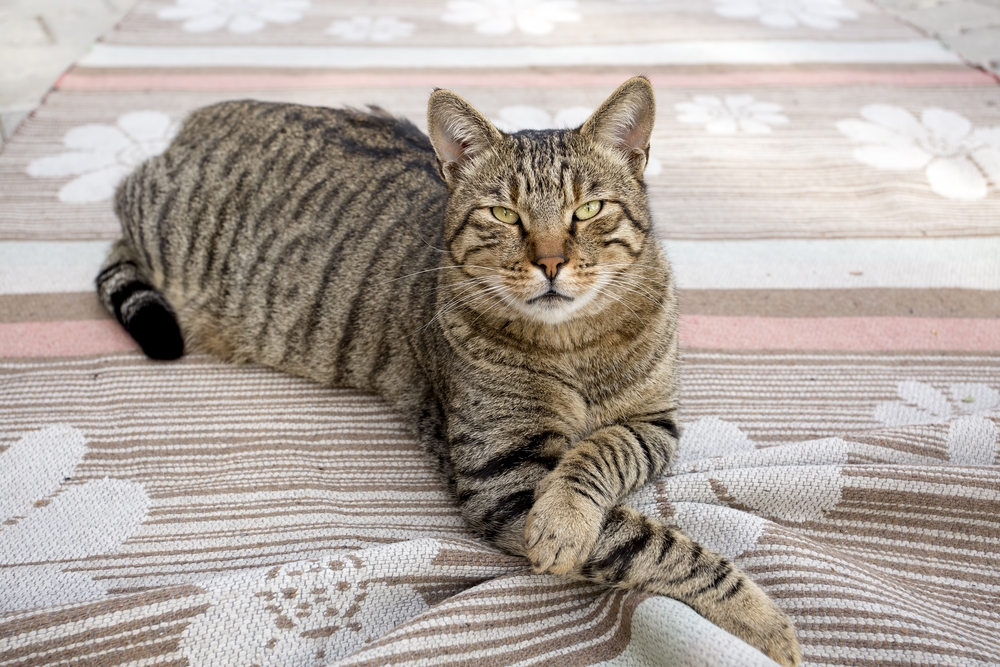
(546, 225)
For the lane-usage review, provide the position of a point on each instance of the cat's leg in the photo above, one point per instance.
(592, 477)
(497, 488)
(577, 527)
(496, 492)
(633, 551)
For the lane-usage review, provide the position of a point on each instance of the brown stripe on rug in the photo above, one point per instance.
(52, 307)
(855, 302)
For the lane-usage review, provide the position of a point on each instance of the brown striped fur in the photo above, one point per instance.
(343, 246)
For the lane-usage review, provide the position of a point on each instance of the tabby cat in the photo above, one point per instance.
(504, 291)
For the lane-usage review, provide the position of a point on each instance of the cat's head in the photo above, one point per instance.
(547, 222)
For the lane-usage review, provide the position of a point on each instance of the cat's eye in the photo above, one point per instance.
(504, 214)
(588, 210)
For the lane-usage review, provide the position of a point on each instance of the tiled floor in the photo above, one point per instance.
(970, 27)
(39, 39)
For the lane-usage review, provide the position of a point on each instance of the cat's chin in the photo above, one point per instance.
(554, 307)
(550, 299)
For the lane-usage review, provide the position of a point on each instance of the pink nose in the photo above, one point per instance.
(551, 265)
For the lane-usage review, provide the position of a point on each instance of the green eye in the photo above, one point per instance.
(504, 214)
(588, 210)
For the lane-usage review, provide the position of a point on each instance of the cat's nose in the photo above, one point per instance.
(551, 265)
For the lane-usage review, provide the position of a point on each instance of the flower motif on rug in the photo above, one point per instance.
(500, 17)
(711, 437)
(44, 525)
(818, 14)
(721, 484)
(306, 613)
(238, 16)
(965, 407)
(732, 114)
(376, 29)
(101, 155)
(516, 118)
(719, 453)
(959, 160)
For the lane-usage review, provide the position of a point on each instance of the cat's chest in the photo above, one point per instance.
(605, 395)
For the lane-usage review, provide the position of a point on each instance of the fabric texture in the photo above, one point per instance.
(826, 182)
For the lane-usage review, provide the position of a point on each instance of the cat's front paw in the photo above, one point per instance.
(783, 647)
(561, 528)
(756, 619)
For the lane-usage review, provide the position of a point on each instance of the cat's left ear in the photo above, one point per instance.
(458, 133)
(624, 122)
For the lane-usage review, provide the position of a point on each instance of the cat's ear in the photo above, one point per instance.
(458, 132)
(625, 122)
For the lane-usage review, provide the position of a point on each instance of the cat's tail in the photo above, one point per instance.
(137, 305)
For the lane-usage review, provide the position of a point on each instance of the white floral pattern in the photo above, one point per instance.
(921, 403)
(712, 437)
(101, 155)
(958, 159)
(722, 487)
(500, 17)
(319, 611)
(732, 114)
(818, 14)
(376, 29)
(238, 16)
(972, 436)
(719, 474)
(40, 530)
(516, 118)
(730, 453)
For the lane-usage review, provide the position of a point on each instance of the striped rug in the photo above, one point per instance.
(826, 182)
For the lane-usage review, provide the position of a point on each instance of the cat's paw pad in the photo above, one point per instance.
(561, 529)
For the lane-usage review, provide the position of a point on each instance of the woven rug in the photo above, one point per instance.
(826, 182)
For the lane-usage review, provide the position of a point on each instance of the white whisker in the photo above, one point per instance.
(640, 289)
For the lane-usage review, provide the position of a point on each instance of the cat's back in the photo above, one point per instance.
(267, 148)
(267, 225)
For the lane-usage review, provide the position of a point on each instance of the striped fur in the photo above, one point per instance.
(536, 359)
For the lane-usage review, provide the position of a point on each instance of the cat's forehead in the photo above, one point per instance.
(539, 144)
(544, 166)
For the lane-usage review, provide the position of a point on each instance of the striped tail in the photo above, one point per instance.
(141, 309)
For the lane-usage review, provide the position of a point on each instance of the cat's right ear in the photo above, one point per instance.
(624, 122)
(458, 133)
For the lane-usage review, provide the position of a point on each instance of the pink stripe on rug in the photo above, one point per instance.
(63, 339)
(234, 81)
(856, 334)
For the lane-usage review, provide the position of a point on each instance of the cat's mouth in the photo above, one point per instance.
(550, 298)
